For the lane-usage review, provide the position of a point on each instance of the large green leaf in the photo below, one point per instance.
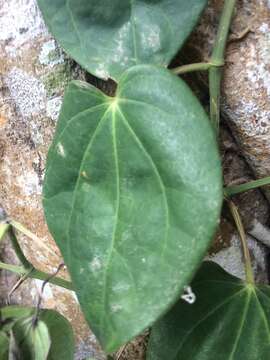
(108, 36)
(132, 196)
(230, 320)
(60, 331)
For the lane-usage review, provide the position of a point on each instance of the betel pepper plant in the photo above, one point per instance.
(133, 186)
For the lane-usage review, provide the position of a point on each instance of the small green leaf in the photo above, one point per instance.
(4, 346)
(132, 196)
(32, 339)
(60, 331)
(3, 230)
(14, 352)
(230, 320)
(108, 36)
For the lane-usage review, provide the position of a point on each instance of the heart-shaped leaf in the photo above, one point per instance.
(132, 196)
(230, 320)
(60, 331)
(108, 36)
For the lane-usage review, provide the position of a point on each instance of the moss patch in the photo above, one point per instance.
(57, 79)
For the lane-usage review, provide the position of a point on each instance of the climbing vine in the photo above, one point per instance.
(133, 193)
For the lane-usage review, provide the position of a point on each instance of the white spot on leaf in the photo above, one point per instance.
(116, 308)
(152, 38)
(61, 150)
(101, 72)
(96, 264)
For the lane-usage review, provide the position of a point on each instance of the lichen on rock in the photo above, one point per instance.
(34, 73)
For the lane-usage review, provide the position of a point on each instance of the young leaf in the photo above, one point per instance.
(108, 36)
(229, 321)
(60, 331)
(132, 196)
(4, 345)
(32, 339)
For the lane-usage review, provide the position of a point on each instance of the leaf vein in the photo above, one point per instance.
(261, 310)
(160, 180)
(77, 182)
(115, 151)
(206, 317)
(242, 322)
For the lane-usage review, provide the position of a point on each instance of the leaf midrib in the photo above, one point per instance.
(160, 180)
(77, 181)
(241, 324)
(115, 151)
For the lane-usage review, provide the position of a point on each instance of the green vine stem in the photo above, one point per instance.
(215, 77)
(240, 228)
(201, 66)
(37, 274)
(27, 269)
(16, 225)
(4, 227)
(16, 246)
(216, 63)
(237, 189)
(218, 54)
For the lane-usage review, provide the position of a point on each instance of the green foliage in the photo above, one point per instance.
(47, 337)
(132, 196)
(107, 37)
(4, 346)
(31, 340)
(133, 192)
(229, 320)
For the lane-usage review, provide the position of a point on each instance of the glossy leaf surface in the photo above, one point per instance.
(230, 320)
(108, 36)
(60, 331)
(132, 196)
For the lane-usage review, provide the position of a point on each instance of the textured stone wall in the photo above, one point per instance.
(246, 86)
(34, 72)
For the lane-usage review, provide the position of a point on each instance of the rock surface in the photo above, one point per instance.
(34, 72)
(246, 85)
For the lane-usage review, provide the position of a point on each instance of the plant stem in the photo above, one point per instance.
(4, 227)
(239, 225)
(36, 274)
(215, 73)
(28, 269)
(16, 246)
(237, 189)
(32, 236)
(201, 66)
(20, 270)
